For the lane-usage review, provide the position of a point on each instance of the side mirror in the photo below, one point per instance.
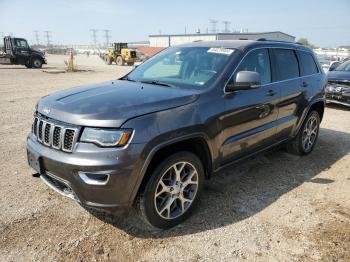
(333, 66)
(244, 80)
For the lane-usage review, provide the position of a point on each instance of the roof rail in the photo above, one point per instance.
(277, 41)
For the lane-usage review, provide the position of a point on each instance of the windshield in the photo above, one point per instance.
(183, 66)
(343, 67)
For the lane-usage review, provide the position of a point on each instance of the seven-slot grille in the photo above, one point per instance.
(55, 135)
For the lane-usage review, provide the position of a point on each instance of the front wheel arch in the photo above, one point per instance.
(197, 145)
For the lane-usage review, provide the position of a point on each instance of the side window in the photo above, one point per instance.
(21, 43)
(308, 64)
(257, 61)
(286, 64)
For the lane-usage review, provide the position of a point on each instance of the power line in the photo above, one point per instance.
(36, 35)
(213, 23)
(94, 36)
(107, 36)
(48, 36)
(226, 26)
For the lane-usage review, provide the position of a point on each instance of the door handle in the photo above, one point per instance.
(304, 84)
(271, 93)
(264, 110)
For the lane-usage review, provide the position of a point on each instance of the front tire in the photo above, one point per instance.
(37, 63)
(307, 136)
(173, 191)
(119, 61)
(108, 60)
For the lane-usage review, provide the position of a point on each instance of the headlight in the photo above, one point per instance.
(329, 88)
(106, 137)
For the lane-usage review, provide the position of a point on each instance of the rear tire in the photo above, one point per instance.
(307, 136)
(37, 63)
(119, 61)
(173, 190)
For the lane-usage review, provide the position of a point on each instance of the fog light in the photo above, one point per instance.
(97, 179)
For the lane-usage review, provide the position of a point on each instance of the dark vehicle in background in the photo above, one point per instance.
(338, 87)
(152, 138)
(16, 51)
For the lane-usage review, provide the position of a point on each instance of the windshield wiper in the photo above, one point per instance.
(156, 82)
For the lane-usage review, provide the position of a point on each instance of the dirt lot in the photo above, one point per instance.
(274, 207)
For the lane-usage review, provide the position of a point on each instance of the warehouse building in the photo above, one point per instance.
(170, 40)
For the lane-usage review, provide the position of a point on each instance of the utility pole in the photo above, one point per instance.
(213, 23)
(48, 36)
(36, 35)
(226, 26)
(94, 36)
(107, 36)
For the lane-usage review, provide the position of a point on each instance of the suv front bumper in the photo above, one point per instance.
(62, 172)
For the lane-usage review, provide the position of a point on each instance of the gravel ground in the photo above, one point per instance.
(273, 207)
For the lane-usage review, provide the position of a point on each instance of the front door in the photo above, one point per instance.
(22, 51)
(249, 122)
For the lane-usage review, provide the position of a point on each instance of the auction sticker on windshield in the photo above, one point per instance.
(223, 51)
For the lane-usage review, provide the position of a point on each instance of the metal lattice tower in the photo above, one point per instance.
(36, 35)
(94, 36)
(48, 36)
(107, 36)
(213, 23)
(226, 26)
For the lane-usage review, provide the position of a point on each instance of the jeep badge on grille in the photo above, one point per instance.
(46, 110)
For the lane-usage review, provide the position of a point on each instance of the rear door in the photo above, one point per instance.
(287, 77)
(250, 115)
(309, 71)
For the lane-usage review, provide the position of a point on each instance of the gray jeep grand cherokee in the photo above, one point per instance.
(155, 135)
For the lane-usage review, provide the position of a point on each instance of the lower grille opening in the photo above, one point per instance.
(59, 186)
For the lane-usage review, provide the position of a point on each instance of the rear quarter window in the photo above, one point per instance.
(285, 64)
(307, 64)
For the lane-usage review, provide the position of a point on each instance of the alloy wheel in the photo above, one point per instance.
(176, 190)
(310, 133)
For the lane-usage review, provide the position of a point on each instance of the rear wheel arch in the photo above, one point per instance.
(197, 145)
(319, 107)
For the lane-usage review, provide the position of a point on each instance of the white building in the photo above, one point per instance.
(170, 40)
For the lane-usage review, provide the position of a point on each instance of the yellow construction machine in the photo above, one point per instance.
(120, 54)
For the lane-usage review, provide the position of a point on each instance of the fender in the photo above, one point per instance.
(154, 150)
(32, 56)
(305, 113)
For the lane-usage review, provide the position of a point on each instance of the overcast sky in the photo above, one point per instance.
(325, 23)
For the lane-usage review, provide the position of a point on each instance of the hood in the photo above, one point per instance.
(111, 104)
(37, 52)
(338, 76)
